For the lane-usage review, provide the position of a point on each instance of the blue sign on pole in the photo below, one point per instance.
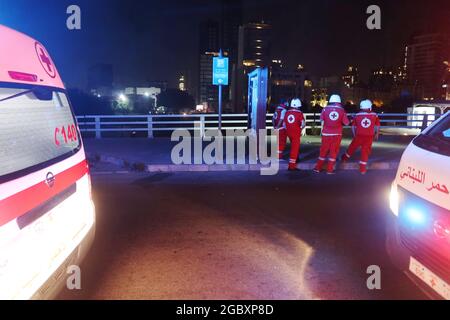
(220, 71)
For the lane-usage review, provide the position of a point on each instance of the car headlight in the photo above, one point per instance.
(394, 201)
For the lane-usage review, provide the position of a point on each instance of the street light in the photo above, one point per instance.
(123, 98)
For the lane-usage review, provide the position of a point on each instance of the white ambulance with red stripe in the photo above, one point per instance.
(418, 233)
(47, 217)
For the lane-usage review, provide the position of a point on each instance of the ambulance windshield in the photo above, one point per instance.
(37, 130)
(437, 139)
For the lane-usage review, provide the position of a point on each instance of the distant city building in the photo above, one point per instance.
(158, 84)
(232, 19)
(138, 100)
(142, 91)
(214, 35)
(209, 36)
(446, 82)
(323, 88)
(382, 79)
(288, 83)
(182, 83)
(254, 45)
(351, 77)
(101, 79)
(425, 66)
(208, 93)
(254, 52)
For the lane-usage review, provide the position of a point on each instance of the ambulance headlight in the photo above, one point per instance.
(394, 199)
(416, 216)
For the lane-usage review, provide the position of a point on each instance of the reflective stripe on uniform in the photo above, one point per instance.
(331, 134)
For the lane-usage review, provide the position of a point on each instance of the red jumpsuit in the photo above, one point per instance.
(334, 118)
(278, 124)
(364, 125)
(293, 121)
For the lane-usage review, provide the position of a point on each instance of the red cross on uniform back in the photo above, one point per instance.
(293, 121)
(334, 118)
(365, 123)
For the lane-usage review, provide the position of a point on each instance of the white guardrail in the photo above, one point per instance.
(392, 123)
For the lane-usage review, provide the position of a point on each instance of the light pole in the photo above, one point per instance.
(220, 97)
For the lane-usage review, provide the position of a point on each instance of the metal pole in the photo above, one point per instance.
(220, 107)
(220, 98)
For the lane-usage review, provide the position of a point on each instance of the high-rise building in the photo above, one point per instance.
(254, 45)
(425, 66)
(208, 93)
(254, 52)
(209, 36)
(446, 82)
(231, 20)
(209, 45)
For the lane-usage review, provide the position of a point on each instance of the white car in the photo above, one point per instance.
(47, 217)
(418, 232)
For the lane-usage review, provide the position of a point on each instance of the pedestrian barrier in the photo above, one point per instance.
(150, 125)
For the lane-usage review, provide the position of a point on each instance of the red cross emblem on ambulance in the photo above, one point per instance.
(45, 60)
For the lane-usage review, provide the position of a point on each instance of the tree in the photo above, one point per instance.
(402, 103)
(176, 100)
(87, 104)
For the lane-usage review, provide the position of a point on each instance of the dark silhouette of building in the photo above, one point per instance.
(254, 52)
(254, 45)
(351, 77)
(382, 79)
(425, 66)
(101, 79)
(209, 36)
(231, 20)
(288, 83)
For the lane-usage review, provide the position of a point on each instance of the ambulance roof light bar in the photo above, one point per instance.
(22, 76)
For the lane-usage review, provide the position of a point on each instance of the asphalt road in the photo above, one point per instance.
(235, 235)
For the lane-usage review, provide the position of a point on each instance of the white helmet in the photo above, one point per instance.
(335, 99)
(296, 103)
(366, 105)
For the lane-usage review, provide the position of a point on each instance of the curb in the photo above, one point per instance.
(283, 166)
(152, 168)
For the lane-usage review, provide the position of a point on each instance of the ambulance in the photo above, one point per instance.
(418, 229)
(47, 216)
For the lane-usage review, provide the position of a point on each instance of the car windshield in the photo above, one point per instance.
(37, 128)
(437, 139)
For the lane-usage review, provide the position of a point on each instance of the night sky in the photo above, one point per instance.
(158, 40)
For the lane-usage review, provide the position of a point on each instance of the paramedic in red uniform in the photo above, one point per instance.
(333, 118)
(278, 124)
(295, 122)
(366, 127)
